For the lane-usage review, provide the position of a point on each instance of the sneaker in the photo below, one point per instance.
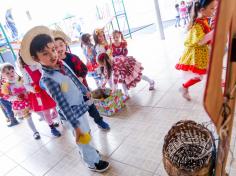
(103, 125)
(55, 132)
(152, 85)
(100, 167)
(36, 136)
(13, 123)
(56, 124)
(185, 93)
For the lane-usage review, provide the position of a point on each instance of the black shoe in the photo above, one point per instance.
(13, 123)
(55, 132)
(100, 167)
(37, 136)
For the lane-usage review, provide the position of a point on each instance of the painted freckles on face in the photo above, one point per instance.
(60, 47)
(48, 56)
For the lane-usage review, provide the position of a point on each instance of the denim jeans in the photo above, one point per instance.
(7, 108)
(93, 112)
(88, 153)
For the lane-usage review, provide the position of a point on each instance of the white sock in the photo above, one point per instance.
(31, 124)
(145, 78)
(125, 89)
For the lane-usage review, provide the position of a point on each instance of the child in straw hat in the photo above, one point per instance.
(65, 88)
(80, 70)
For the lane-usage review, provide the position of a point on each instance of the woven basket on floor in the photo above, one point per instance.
(188, 150)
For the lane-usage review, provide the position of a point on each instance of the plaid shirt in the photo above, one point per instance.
(77, 66)
(71, 113)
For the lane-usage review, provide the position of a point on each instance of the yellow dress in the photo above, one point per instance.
(195, 57)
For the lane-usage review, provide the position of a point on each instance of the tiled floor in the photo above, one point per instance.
(134, 143)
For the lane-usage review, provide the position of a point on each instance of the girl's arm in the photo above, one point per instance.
(5, 90)
(207, 38)
(80, 68)
(86, 54)
(125, 49)
(196, 34)
(104, 82)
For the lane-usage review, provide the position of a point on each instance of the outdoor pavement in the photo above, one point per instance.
(134, 144)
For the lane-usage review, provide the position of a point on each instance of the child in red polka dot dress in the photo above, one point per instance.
(15, 92)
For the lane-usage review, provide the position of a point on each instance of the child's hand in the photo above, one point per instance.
(88, 94)
(81, 79)
(82, 138)
(37, 89)
(78, 133)
(104, 84)
(113, 91)
(208, 37)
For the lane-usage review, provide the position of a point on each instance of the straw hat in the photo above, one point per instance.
(27, 39)
(62, 35)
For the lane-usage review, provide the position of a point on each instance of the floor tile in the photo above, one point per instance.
(18, 171)
(140, 152)
(26, 148)
(43, 161)
(120, 169)
(107, 142)
(147, 98)
(6, 165)
(22, 151)
(10, 142)
(161, 171)
(68, 166)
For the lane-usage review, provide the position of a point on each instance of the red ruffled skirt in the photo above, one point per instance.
(41, 101)
(127, 70)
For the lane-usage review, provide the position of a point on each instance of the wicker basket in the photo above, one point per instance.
(189, 150)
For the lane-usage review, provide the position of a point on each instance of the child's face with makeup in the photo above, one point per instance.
(101, 38)
(210, 10)
(60, 48)
(48, 56)
(116, 37)
(9, 74)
